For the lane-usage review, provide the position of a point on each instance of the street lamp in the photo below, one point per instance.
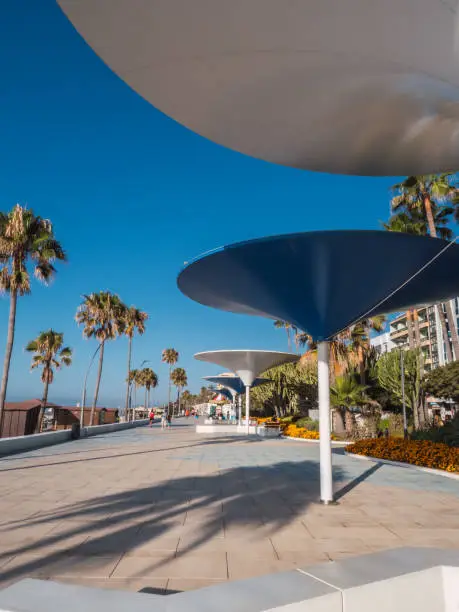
(83, 398)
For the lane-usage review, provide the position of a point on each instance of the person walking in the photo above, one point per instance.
(164, 417)
(151, 417)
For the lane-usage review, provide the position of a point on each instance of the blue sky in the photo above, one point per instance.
(132, 196)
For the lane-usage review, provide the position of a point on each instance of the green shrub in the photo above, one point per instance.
(308, 424)
(447, 434)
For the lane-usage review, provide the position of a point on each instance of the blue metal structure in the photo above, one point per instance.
(234, 382)
(324, 281)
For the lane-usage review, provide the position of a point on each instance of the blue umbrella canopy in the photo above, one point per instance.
(234, 382)
(322, 282)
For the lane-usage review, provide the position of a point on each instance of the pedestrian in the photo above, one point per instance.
(169, 419)
(164, 419)
(151, 417)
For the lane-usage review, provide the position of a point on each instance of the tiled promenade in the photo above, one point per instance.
(170, 511)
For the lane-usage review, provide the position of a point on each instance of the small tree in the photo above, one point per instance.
(389, 374)
(49, 355)
(346, 394)
(443, 382)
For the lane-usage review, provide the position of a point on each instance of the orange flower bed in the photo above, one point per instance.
(292, 431)
(416, 452)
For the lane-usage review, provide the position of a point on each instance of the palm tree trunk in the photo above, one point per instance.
(409, 326)
(146, 403)
(289, 340)
(349, 421)
(361, 364)
(44, 401)
(169, 396)
(178, 392)
(417, 333)
(453, 330)
(128, 381)
(429, 216)
(8, 353)
(99, 376)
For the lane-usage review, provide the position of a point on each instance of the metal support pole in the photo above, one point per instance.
(240, 410)
(83, 398)
(326, 476)
(402, 368)
(247, 407)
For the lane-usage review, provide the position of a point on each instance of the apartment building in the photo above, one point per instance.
(422, 328)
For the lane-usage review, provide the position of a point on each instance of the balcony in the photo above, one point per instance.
(398, 333)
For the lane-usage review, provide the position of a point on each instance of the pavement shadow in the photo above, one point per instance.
(263, 497)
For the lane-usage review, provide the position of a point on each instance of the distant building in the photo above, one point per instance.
(403, 333)
(382, 343)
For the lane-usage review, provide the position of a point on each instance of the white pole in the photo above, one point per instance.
(326, 476)
(240, 410)
(247, 407)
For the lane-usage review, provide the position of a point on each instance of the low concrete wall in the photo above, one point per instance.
(96, 430)
(237, 430)
(25, 443)
(20, 444)
(400, 580)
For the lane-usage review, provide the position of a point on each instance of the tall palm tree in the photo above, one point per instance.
(344, 395)
(150, 381)
(102, 315)
(134, 321)
(24, 239)
(49, 354)
(429, 195)
(180, 380)
(290, 329)
(170, 356)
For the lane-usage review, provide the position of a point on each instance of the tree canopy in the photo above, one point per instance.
(443, 382)
(291, 383)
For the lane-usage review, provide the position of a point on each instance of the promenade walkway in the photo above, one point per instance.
(164, 511)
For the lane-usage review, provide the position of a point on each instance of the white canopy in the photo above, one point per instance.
(347, 86)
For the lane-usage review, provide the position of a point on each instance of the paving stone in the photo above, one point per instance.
(137, 498)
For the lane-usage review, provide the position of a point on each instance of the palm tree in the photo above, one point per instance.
(180, 380)
(49, 355)
(429, 195)
(102, 315)
(289, 328)
(149, 380)
(344, 395)
(339, 353)
(360, 340)
(186, 397)
(170, 356)
(134, 320)
(24, 239)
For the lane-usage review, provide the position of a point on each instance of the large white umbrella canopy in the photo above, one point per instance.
(247, 364)
(347, 86)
